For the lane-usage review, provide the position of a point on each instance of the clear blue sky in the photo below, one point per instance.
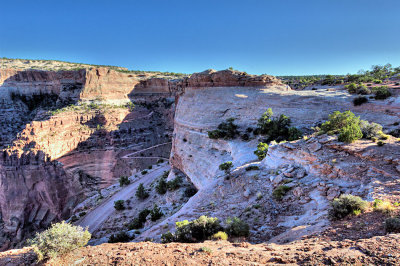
(277, 37)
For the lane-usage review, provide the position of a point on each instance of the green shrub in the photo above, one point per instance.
(156, 213)
(252, 167)
(262, 150)
(380, 143)
(392, 225)
(370, 130)
(237, 228)
(377, 81)
(138, 222)
(59, 239)
(382, 92)
(193, 231)
(346, 124)
(351, 88)
(141, 192)
(167, 237)
(119, 205)
(121, 237)
(345, 205)
(220, 236)
(294, 134)
(280, 192)
(174, 184)
(350, 133)
(226, 167)
(161, 186)
(276, 128)
(190, 192)
(144, 172)
(360, 100)
(124, 181)
(206, 250)
(226, 130)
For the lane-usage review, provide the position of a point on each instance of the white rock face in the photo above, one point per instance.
(200, 110)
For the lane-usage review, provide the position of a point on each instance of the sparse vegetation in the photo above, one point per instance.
(220, 236)
(124, 181)
(141, 192)
(174, 184)
(156, 213)
(262, 150)
(237, 228)
(119, 205)
(121, 237)
(226, 130)
(252, 167)
(226, 167)
(59, 239)
(383, 206)
(382, 92)
(345, 205)
(277, 129)
(193, 231)
(392, 225)
(162, 186)
(280, 192)
(138, 222)
(360, 100)
(346, 124)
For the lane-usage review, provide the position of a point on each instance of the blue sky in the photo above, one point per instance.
(279, 37)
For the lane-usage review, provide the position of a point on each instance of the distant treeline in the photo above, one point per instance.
(377, 74)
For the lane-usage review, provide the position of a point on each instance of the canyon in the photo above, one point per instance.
(67, 136)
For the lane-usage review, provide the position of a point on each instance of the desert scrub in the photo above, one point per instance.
(236, 227)
(382, 92)
(138, 222)
(262, 150)
(370, 130)
(280, 192)
(144, 172)
(226, 130)
(161, 186)
(141, 192)
(360, 100)
(156, 213)
(226, 167)
(124, 181)
(206, 250)
(120, 237)
(346, 124)
(174, 184)
(392, 225)
(59, 239)
(277, 128)
(383, 206)
(252, 167)
(193, 231)
(220, 236)
(119, 205)
(345, 205)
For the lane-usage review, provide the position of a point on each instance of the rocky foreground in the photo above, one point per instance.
(383, 250)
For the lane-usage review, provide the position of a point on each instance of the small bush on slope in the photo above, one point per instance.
(141, 192)
(392, 225)
(262, 150)
(277, 128)
(59, 239)
(237, 228)
(346, 124)
(226, 167)
(121, 237)
(119, 205)
(220, 236)
(124, 181)
(193, 231)
(345, 205)
(226, 130)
